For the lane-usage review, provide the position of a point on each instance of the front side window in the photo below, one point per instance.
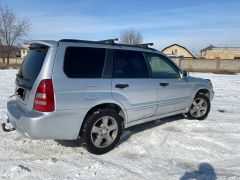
(84, 62)
(162, 67)
(129, 64)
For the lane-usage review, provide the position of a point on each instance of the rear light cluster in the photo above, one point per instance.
(44, 98)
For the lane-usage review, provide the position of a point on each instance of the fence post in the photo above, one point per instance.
(180, 63)
(218, 65)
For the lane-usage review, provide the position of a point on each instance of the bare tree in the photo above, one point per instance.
(12, 30)
(131, 36)
(2, 50)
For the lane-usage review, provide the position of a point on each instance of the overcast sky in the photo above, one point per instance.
(192, 23)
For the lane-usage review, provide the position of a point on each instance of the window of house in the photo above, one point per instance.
(175, 51)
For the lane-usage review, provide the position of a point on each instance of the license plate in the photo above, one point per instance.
(20, 92)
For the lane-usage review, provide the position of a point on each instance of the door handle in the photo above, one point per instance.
(164, 84)
(121, 86)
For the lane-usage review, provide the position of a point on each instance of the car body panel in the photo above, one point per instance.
(45, 73)
(139, 99)
(53, 125)
(173, 97)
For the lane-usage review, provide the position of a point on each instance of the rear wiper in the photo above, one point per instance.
(22, 77)
(26, 79)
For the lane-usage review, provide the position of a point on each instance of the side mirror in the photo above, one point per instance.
(185, 74)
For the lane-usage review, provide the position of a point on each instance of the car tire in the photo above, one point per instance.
(199, 108)
(101, 131)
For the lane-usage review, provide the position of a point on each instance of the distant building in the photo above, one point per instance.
(15, 52)
(24, 52)
(212, 52)
(178, 51)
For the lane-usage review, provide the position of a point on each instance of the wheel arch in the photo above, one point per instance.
(203, 91)
(112, 105)
(204, 94)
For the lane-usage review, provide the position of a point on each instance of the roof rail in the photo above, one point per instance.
(145, 45)
(109, 41)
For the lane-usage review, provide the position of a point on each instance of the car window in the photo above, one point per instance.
(31, 67)
(129, 64)
(162, 67)
(84, 62)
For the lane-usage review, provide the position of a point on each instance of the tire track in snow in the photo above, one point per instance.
(119, 167)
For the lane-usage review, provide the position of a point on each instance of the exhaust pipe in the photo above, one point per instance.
(6, 128)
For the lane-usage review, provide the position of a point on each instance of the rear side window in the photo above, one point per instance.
(129, 64)
(84, 62)
(31, 67)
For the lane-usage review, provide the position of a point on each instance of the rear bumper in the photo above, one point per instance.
(63, 124)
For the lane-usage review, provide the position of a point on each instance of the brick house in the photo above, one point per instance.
(212, 52)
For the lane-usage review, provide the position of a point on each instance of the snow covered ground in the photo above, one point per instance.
(173, 148)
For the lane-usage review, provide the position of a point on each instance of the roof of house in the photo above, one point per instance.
(227, 48)
(181, 47)
(220, 48)
(208, 48)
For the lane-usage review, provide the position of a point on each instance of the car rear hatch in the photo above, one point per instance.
(27, 75)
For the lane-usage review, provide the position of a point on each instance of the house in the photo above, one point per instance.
(212, 52)
(176, 50)
(24, 52)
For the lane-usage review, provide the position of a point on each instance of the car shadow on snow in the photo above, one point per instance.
(205, 171)
(69, 143)
(128, 132)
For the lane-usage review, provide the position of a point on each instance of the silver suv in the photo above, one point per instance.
(91, 90)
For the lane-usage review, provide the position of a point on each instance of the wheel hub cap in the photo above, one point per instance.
(198, 108)
(104, 131)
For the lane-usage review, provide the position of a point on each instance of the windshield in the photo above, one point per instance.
(31, 67)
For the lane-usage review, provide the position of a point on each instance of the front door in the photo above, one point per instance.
(173, 91)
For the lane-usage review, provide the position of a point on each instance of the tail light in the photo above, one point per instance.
(44, 98)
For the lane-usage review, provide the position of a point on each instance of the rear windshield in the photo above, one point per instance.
(31, 67)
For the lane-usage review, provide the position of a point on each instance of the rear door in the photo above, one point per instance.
(132, 85)
(173, 91)
(77, 76)
(28, 74)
